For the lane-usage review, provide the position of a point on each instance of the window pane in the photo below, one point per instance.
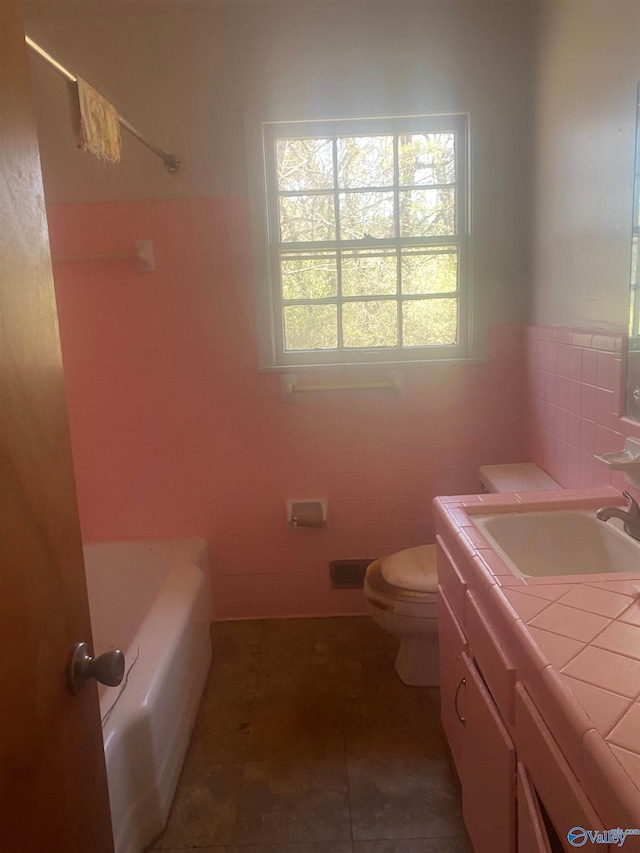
(365, 161)
(310, 327)
(366, 214)
(370, 324)
(427, 213)
(304, 164)
(426, 158)
(369, 274)
(430, 270)
(429, 322)
(307, 217)
(308, 276)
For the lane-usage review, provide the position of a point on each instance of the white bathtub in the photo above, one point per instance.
(150, 599)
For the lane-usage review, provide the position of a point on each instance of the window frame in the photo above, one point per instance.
(458, 123)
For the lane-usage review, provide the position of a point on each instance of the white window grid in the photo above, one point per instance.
(458, 124)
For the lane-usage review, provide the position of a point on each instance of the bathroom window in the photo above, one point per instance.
(368, 234)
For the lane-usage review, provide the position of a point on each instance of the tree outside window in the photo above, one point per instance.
(368, 238)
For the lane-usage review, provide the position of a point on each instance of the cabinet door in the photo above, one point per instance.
(490, 656)
(564, 799)
(532, 834)
(452, 644)
(488, 776)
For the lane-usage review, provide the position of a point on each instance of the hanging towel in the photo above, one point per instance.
(97, 124)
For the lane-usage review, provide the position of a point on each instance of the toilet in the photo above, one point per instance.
(401, 590)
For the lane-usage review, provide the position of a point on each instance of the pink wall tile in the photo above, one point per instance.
(562, 395)
(588, 466)
(604, 407)
(563, 360)
(588, 436)
(590, 367)
(573, 429)
(581, 338)
(575, 363)
(588, 403)
(583, 369)
(606, 370)
(607, 341)
(175, 432)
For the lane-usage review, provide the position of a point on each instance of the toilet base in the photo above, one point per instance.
(418, 662)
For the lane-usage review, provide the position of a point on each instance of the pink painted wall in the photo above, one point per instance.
(175, 433)
(575, 392)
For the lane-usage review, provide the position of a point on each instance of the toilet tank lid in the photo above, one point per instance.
(516, 477)
(414, 569)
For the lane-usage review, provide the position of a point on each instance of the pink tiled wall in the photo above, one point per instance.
(576, 402)
(175, 432)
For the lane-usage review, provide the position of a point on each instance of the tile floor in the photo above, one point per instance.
(308, 742)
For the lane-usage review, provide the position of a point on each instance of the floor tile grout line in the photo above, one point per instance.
(244, 763)
(339, 648)
(316, 843)
(345, 759)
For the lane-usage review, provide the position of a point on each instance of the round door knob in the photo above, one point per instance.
(108, 668)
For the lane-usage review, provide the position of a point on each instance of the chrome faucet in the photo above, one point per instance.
(631, 516)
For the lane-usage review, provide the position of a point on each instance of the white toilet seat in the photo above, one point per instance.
(401, 590)
(413, 569)
(404, 602)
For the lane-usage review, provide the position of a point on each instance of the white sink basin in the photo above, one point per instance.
(562, 542)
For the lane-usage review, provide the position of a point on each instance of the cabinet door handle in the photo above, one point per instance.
(461, 684)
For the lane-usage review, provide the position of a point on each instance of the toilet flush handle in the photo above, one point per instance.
(461, 684)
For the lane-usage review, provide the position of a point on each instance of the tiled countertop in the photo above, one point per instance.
(575, 641)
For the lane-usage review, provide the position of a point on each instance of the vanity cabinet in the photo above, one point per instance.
(497, 669)
(559, 789)
(480, 743)
(488, 801)
(511, 768)
(538, 669)
(453, 644)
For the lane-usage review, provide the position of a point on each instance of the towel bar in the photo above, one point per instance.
(143, 256)
(290, 386)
